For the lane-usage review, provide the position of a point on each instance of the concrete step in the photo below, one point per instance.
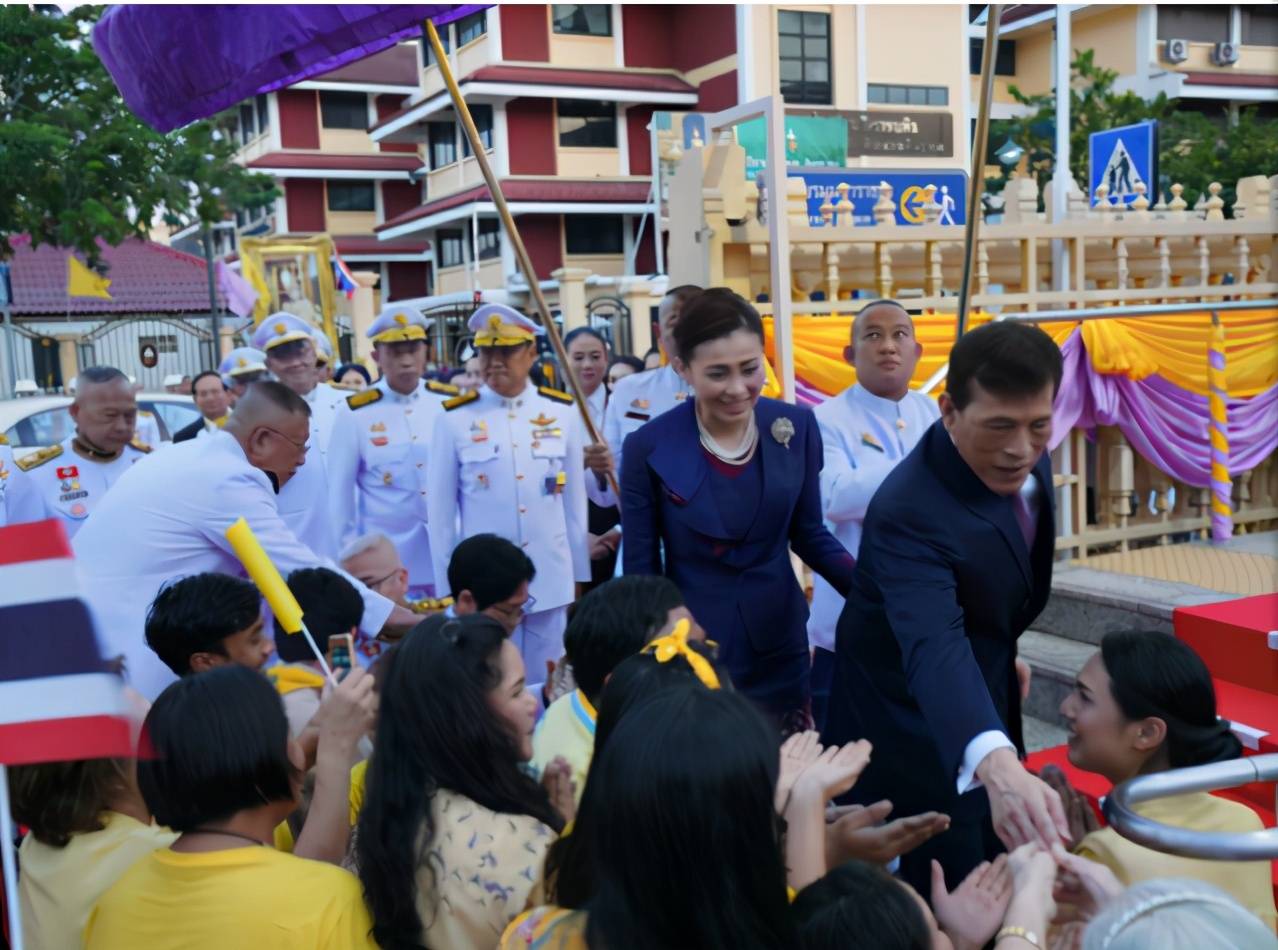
(1055, 661)
(1041, 735)
(1086, 604)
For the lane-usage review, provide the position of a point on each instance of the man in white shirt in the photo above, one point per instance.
(866, 430)
(169, 520)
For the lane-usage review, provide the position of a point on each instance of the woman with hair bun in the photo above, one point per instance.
(715, 494)
(1144, 704)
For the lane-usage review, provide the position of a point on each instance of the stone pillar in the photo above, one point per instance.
(68, 362)
(572, 295)
(363, 312)
(225, 344)
(640, 296)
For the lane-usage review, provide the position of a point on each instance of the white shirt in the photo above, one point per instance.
(66, 486)
(638, 398)
(377, 472)
(305, 499)
(167, 520)
(7, 469)
(148, 430)
(865, 436)
(212, 425)
(601, 494)
(513, 467)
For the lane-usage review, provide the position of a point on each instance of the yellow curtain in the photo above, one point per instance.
(1173, 347)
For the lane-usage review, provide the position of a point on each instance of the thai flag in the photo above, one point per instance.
(343, 277)
(57, 699)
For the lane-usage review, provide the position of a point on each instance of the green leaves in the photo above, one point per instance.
(76, 164)
(1194, 149)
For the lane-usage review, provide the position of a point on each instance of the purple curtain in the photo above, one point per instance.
(176, 64)
(1163, 422)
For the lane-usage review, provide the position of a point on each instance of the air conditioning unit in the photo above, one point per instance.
(1176, 51)
(1224, 54)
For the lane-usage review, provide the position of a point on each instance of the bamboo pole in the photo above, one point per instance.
(976, 185)
(512, 232)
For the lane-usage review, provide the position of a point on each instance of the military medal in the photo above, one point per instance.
(542, 421)
(783, 431)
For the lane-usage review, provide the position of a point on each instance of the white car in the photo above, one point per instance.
(33, 422)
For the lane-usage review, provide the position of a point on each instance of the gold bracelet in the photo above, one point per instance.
(1015, 931)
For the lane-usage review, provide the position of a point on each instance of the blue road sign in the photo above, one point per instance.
(909, 192)
(1122, 158)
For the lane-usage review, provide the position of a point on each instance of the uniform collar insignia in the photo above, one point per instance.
(542, 420)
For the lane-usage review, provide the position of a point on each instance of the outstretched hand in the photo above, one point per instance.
(857, 831)
(971, 914)
(797, 753)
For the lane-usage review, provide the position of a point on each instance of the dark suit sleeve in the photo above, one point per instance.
(640, 528)
(809, 537)
(901, 554)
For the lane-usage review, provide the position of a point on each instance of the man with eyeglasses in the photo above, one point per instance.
(168, 519)
(380, 445)
(289, 345)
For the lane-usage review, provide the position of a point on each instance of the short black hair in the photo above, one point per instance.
(683, 292)
(863, 899)
(1007, 358)
(614, 621)
(712, 315)
(59, 800)
(99, 374)
(208, 372)
(633, 362)
(195, 614)
(585, 331)
(330, 604)
(216, 744)
(347, 367)
(281, 396)
(884, 302)
(490, 567)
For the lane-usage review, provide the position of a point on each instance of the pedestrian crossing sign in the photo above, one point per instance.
(1122, 158)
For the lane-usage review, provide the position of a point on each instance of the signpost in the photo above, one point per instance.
(929, 134)
(1122, 158)
(810, 141)
(909, 193)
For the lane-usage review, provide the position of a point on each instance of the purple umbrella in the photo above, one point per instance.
(176, 64)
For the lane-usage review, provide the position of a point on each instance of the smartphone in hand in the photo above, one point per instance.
(341, 647)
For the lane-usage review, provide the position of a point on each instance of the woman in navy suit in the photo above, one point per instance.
(717, 490)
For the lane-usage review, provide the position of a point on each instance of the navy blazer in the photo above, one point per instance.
(188, 432)
(741, 589)
(926, 644)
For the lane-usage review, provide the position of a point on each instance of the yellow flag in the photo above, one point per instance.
(250, 272)
(82, 282)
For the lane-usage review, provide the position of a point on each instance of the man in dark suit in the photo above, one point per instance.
(214, 403)
(955, 562)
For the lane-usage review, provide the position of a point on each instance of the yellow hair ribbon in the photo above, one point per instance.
(675, 644)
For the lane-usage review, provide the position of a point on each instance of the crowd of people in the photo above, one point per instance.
(580, 697)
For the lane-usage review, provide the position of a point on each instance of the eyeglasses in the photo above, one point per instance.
(515, 613)
(300, 446)
(373, 585)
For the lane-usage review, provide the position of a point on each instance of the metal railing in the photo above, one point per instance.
(1120, 811)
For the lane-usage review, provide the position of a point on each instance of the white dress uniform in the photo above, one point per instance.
(304, 500)
(379, 447)
(147, 429)
(513, 467)
(56, 482)
(168, 519)
(865, 436)
(638, 398)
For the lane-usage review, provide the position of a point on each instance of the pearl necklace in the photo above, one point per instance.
(744, 450)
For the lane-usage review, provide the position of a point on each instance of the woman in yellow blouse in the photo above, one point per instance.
(453, 831)
(1145, 703)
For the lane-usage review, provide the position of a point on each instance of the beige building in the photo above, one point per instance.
(1212, 57)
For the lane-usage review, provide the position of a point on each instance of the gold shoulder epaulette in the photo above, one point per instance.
(364, 398)
(140, 445)
(447, 389)
(468, 396)
(558, 395)
(38, 458)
